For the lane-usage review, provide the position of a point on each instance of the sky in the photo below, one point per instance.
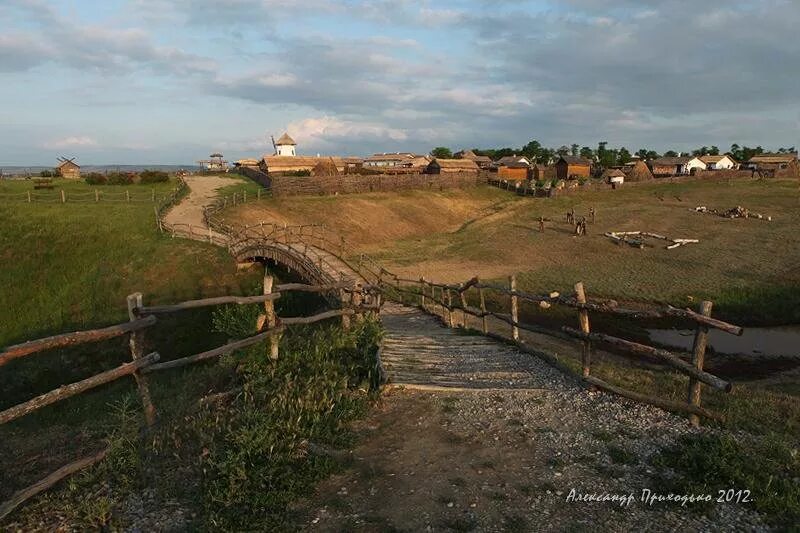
(171, 81)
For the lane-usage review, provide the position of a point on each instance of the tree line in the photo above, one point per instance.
(603, 155)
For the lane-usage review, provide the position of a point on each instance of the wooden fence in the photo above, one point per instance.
(358, 183)
(355, 301)
(444, 300)
(62, 196)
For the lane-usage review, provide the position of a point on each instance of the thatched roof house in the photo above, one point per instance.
(511, 159)
(452, 166)
(771, 161)
(676, 166)
(613, 175)
(572, 166)
(284, 164)
(719, 162)
(483, 161)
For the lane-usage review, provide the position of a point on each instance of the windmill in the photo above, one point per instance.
(68, 168)
(274, 146)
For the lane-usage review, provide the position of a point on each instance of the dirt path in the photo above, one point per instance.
(202, 191)
(487, 438)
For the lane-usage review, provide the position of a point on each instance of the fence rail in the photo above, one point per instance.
(453, 298)
(63, 196)
(355, 302)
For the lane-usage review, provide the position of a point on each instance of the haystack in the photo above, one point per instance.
(325, 167)
(639, 171)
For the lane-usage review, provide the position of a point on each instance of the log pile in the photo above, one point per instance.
(637, 239)
(734, 212)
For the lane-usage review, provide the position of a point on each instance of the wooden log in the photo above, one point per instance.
(642, 349)
(512, 285)
(63, 196)
(67, 391)
(208, 302)
(422, 293)
(705, 320)
(136, 343)
(698, 360)
(76, 337)
(20, 497)
(667, 405)
(583, 322)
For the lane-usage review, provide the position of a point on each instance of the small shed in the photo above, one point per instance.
(572, 167)
(543, 172)
(613, 176)
(452, 166)
(68, 168)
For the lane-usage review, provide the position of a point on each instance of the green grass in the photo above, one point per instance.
(228, 465)
(70, 266)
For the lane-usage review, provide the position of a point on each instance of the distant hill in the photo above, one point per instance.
(23, 171)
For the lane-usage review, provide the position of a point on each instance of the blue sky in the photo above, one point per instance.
(160, 81)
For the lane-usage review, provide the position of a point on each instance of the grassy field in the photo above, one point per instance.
(749, 268)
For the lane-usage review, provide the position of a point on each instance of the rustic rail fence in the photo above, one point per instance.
(446, 299)
(355, 301)
(63, 196)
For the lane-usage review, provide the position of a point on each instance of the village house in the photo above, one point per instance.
(214, 163)
(452, 166)
(571, 167)
(772, 162)
(613, 176)
(719, 162)
(396, 159)
(514, 172)
(483, 161)
(509, 159)
(542, 172)
(675, 166)
(283, 164)
(68, 168)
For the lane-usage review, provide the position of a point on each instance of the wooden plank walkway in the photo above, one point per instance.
(419, 352)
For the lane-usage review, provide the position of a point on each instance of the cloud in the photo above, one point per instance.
(78, 141)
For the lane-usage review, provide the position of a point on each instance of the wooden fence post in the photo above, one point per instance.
(127, 195)
(234, 199)
(258, 194)
(422, 293)
(63, 197)
(343, 298)
(449, 308)
(29, 196)
(136, 344)
(462, 294)
(244, 194)
(698, 359)
(96, 195)
(583, 321)
(484, 319)
(512, 284)
(153, 196)
(270, 318)
(356, 300)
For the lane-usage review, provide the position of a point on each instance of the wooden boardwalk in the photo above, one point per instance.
(419, 352)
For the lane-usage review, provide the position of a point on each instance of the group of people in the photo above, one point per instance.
(579, 223)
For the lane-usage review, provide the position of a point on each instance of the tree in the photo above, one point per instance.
(441, 152)
(670, 153)
(713, 150)
(574, 149)
(587, 153)
(532, 150)
(646, 154)
(623, 156)
(563, 150)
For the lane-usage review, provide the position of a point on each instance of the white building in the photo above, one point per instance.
(285, 146)
(694, 163)
(719, 162)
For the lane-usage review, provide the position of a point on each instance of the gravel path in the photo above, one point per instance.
(496, 440)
